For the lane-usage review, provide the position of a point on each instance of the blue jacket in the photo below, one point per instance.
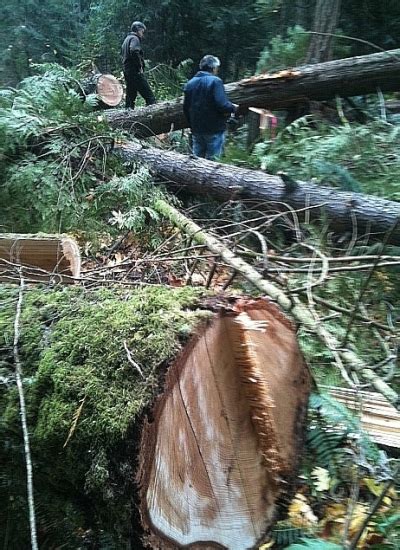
(206, 105)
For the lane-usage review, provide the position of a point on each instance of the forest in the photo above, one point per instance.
(200, 353)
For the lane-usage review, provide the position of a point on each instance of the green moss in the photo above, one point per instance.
(73, 348)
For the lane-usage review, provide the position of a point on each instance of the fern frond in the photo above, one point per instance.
(284, 535)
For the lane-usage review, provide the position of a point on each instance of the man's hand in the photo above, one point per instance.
(241, 109)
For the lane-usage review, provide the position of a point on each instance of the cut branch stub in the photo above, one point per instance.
(226, 433)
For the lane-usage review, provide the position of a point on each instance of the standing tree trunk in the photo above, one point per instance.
(302, 15)
(326, 18)
(253, 128)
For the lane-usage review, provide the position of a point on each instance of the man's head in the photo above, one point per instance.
(210, 63)
(138, 28)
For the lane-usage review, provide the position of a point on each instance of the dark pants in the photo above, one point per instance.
(208, 146)
(136, 82)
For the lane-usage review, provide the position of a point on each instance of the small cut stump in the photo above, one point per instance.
(38, 258)
(225, 435)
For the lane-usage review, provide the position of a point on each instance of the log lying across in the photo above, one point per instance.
(345, 210)
(343, 77)
(378, 417)
(38, 258)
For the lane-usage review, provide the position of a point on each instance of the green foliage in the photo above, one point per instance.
(331, 427)
(285, 534)
(166, 81)
(389, 526)
(73, 351)
(178, 30)
(55, 170)
(283, 52)
(36, 31)
(351, 157)
(337, 175)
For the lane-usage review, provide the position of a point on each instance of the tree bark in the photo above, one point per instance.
(379, 418)
(326, 17)
(342, 209)
(210, 437)
(302, 13)
(343, 77)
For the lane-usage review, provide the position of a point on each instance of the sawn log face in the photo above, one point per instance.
(205, 481)
(40, 257)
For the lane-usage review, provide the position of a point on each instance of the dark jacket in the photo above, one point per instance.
(132, 54)
(206, 105)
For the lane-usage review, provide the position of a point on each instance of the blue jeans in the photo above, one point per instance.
(208, 146)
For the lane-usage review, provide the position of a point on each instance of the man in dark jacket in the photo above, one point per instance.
(133, 65)
(207, 107)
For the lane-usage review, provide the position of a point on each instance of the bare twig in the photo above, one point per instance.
(324, 271)
(131, 360)
(363, 318)
(211, 274)
(354, 39)
(374, 508)
(76, 417)
(367, 281)
(382, 104)
(24, 423)
(230, 280)
(289, 304)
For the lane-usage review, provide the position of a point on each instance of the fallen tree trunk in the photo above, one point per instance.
(212, 422)
(378, 417)
(235, 419)
(38, 258)
(345, 210)
(343, 77)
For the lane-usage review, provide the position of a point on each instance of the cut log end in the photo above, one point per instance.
(213, 459)
(38, 258)
(109, 90)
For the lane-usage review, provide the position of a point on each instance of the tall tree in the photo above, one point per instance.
(326, 18)
(302, 13)
(37, 31)
(179, 29)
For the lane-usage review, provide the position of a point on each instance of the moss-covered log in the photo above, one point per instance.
(342, 77)
(195, 451)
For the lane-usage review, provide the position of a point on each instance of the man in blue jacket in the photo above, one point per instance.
(207, 108)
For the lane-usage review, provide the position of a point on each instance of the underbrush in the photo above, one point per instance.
(352, 157)
(57, 173)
